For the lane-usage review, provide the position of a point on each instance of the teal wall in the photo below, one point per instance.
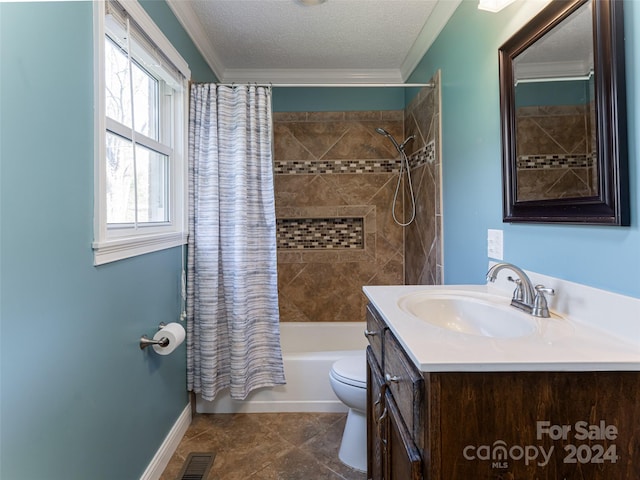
(538, 94)
(334, 99)
(467, 53)
(79, 399)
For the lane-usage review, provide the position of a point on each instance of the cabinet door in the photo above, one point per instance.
(375, 333)
(403, 461)
(406, 385)
(375, 425)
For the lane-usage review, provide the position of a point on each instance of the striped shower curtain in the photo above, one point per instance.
(233, 335)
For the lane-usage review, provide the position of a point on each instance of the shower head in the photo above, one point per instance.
(399, 147)
(382, 131)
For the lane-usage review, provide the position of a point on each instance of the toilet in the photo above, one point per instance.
(348, 377)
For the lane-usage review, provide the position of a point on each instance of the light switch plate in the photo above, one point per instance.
(494, 244)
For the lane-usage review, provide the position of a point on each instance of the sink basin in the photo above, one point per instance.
(479, 314)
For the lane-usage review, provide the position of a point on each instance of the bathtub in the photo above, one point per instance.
(308, 351)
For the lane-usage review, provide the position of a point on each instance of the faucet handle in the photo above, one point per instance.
(540, 307)
(517, 292)
(541, 290)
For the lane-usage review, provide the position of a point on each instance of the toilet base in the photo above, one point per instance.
(353, 448)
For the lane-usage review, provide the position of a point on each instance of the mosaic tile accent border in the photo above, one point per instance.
(425, 155)
(581, 160)
(320, 233)
(314, 167)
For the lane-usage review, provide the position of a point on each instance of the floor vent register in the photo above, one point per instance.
(197, 466)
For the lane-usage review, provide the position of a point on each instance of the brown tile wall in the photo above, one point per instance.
(334, 165)
(555, 152)
(423, 237)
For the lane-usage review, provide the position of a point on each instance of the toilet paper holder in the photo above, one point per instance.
(146, 341)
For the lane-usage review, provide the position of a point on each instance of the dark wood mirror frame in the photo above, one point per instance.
(611, 205)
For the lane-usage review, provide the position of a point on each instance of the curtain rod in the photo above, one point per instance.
(330, 85)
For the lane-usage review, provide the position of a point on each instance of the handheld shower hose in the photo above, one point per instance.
(404, 164)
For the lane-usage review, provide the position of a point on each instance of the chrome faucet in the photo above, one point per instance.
(525, 297)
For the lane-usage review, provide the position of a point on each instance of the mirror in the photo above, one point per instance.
(563, 116)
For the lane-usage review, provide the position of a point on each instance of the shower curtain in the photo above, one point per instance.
(233, 335)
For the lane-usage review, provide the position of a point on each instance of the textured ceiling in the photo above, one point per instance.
(338, 41)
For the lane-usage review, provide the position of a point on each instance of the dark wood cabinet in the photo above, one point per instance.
(394, 408)
(376, 424)
(496, 425)
(402, 457)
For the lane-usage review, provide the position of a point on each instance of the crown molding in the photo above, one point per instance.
(553, 70)
(312, 75)
(441, 14)
(191, 24)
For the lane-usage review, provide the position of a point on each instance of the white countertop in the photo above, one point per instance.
(565, 344)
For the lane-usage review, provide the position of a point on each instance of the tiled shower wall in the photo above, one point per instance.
(423, 237)
(556, 152)
(332, 169)
(335, 179)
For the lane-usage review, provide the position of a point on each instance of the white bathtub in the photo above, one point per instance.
(308, 351)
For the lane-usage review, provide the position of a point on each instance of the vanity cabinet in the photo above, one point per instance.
(376, 423)
(533, 425)
(394, 407)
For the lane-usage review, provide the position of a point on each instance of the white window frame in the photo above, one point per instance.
(112, 244)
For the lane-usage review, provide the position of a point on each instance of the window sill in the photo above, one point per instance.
(114, 250)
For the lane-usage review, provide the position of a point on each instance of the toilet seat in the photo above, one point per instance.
(351, 371)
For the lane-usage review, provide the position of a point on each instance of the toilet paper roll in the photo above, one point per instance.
(174, 332)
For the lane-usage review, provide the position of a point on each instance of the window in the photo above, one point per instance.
(140, 193)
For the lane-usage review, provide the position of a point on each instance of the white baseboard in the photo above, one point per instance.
(161, 459)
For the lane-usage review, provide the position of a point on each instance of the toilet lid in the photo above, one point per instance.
(351, 370)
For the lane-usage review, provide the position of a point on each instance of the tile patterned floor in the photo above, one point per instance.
(266, 446)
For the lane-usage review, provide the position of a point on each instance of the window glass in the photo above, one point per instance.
(135, 183)
(121, 205)
(117, 96)
(152, 181)
(145, 102)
